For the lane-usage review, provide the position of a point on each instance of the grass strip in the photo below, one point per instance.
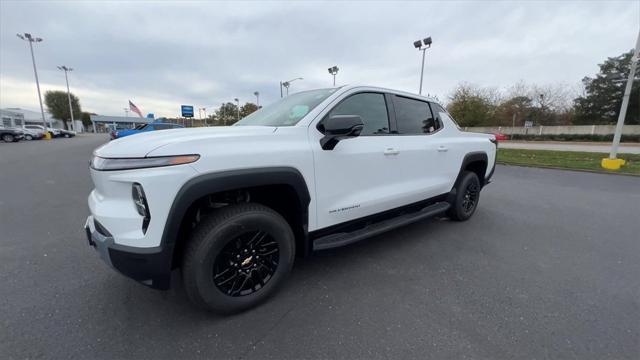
(570, 160)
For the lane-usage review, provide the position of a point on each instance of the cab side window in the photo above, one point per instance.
(371, 107)
(438, 113)
(414, 117)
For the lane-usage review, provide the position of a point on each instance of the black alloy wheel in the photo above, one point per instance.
(470, 198)
(467, 196)
(236, 257)
(246, 264)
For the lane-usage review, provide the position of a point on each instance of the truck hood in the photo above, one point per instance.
(142, 144)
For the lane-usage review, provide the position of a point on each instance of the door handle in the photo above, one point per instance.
(442, 148)
(391, 151)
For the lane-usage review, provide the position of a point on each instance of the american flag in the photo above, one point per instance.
(135, 109)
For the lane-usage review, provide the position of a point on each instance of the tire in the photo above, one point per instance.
(28, 137)
(67, 136)
(214, 246)
(467, 197)
(8, 138)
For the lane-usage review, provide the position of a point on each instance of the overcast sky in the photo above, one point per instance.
(163, 54)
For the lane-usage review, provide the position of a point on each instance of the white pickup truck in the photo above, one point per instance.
(233, 206)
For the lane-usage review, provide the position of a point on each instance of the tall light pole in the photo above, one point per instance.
(66, 70)
(204, 109)
(257, 94)
(126, 112)
(286, 85)
(333, 71)
(422, 45)
(613, 163)
(224, 121)
(30, 39)
(237, 108)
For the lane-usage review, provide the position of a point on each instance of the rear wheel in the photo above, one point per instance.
(7, 138)
(467, 197)
(237, 257)
(28, 137)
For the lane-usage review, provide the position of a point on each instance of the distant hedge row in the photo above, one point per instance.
(574, 137)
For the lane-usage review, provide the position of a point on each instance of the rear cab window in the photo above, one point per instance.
(414, 117)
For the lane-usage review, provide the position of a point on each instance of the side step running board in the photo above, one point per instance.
(342, 239)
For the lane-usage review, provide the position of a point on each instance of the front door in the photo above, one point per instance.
(364, 175)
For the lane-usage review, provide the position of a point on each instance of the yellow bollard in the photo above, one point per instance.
(612, 164)
(47, 136)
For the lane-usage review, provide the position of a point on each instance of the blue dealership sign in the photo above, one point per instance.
(187, 111)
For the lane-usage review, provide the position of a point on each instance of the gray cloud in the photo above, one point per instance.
(162, 54)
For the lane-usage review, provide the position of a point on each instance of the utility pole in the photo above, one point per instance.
(612, 162)
(30, 39)
(224, 121)
(66, 70)
(126, 112)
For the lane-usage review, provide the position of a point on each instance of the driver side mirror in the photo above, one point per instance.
(340, 127)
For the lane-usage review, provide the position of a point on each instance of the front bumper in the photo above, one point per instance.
(149, 266)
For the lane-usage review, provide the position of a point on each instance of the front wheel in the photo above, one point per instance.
(7, 138)
(28, 137)
(467, 197)
(237, 257)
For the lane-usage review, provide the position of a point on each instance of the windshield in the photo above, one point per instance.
(288, 111)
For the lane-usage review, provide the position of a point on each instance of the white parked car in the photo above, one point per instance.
(52, 131)
(31, 134)
(233, 206)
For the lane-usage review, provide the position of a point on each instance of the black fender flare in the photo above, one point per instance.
(210, 183)
(476, 156)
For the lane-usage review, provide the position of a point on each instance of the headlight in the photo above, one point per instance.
(106, 164)
(140, 201)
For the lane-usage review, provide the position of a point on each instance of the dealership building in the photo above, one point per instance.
(103, 123)
(17, 117)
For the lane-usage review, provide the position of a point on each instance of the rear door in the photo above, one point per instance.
(424, 146)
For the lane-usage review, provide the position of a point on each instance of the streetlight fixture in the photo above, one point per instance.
(333, 71)
(30, 39)
(238, 108)
(257, 94)
(66, 70)
(286, 85)
(422, 45)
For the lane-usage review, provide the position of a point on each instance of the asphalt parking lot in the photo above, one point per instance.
(547, 268)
